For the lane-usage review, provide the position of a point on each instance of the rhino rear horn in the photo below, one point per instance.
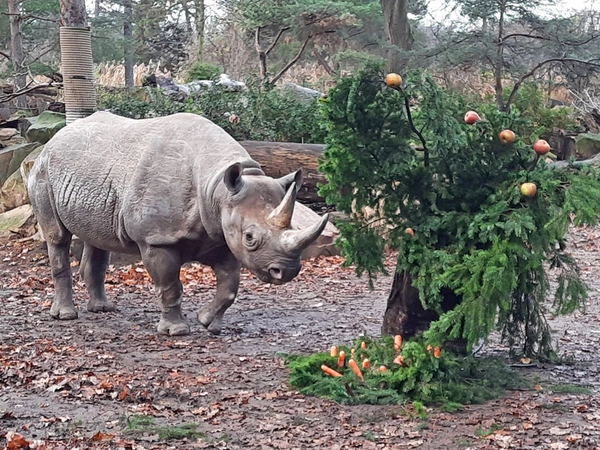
(294, 241)
(281, 217)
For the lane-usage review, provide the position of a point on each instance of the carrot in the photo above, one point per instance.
(436, 352)
(342, 359)
(363, 345)
(356, 369)
(397, 342)
(334, 351)
(383, 369)
(352, 353)
(366, 364)
(399, 360)
(330, 371)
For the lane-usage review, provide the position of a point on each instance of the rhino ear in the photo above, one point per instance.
(294, 177)
(233, 177)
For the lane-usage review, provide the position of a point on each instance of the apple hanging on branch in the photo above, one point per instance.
(471, 117)
(393, 80)
(507, 136)
(541, 147)
(528, 189)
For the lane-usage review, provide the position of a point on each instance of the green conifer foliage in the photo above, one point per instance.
(458, 187)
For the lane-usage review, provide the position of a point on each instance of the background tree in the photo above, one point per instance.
(17, 55)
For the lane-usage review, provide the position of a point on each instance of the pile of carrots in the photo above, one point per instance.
(366, 364)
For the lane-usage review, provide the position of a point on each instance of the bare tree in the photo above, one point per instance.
(17, 55)
(200, 22)
(398, 32)
(128, 36)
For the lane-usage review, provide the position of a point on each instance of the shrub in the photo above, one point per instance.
(203, 71)
(260, 112)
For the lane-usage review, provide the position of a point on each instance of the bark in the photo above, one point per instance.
(17, 55)
(405, 314)
(499, 65)
(128, 37)
(200, 21)
(73, 14)
(398, 32)
(280, 158)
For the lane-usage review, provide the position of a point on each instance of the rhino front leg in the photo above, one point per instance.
(163, 265)
(228, 282)
(94, 264)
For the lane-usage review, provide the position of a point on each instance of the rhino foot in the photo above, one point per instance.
(104, 306)
(173, 328)
(63, 312)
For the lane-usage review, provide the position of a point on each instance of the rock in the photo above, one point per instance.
(19, 220)
(7, 133)
(588, 145)
(304, 217)
(13, 192)
(12, 157)
(47, 125)
(27, 163)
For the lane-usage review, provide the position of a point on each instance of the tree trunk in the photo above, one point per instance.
(405, 314)
(17, 56)
(97, 9)
(398, 32)
(280, 158)
(128, 38)
(72, 13)
(200, 21)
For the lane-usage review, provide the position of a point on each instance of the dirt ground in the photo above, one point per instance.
(83, 384)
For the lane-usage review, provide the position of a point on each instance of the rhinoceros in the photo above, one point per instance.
(175, 189)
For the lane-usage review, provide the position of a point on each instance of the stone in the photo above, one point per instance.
(27, 163)
(7, 133)
(15, 220)
(13, 192)
(47, 125)
(588, 145)
(12, 157)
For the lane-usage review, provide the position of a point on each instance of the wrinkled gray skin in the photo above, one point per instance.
(176, 189)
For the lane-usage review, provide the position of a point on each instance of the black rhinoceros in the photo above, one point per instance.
(175, 189)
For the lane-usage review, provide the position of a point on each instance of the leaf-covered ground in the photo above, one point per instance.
(108, 381)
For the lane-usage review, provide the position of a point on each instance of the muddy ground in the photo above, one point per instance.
(85, 384)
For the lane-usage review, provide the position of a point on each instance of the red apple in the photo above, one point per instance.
(528, 189)
(507, 137)
(471, 117)
(541, 147)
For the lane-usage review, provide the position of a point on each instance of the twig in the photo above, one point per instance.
(6, 55)
(26, 90)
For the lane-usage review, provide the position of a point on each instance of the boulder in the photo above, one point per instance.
(588, 145)
(7, 133)
(17, 221)
(12, 157)
(13, 192)
(27, 163)
(47, 125)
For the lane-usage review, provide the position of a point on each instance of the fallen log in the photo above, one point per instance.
(280, 158)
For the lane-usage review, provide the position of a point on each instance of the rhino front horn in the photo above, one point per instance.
(281, 217)
(294, 241)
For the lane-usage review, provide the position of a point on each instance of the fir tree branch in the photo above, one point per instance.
(417, 132)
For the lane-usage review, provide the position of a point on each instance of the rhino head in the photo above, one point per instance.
(257, 224)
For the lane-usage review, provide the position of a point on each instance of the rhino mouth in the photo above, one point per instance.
(276, 275)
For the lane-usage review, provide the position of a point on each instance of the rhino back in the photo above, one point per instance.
(117, 180)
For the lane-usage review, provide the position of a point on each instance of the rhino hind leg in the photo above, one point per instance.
(228, 282)
(94, 264)
(163, 265)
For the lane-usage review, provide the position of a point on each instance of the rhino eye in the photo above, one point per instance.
(250, 240)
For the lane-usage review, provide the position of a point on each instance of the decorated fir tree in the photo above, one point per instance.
(476, 246)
